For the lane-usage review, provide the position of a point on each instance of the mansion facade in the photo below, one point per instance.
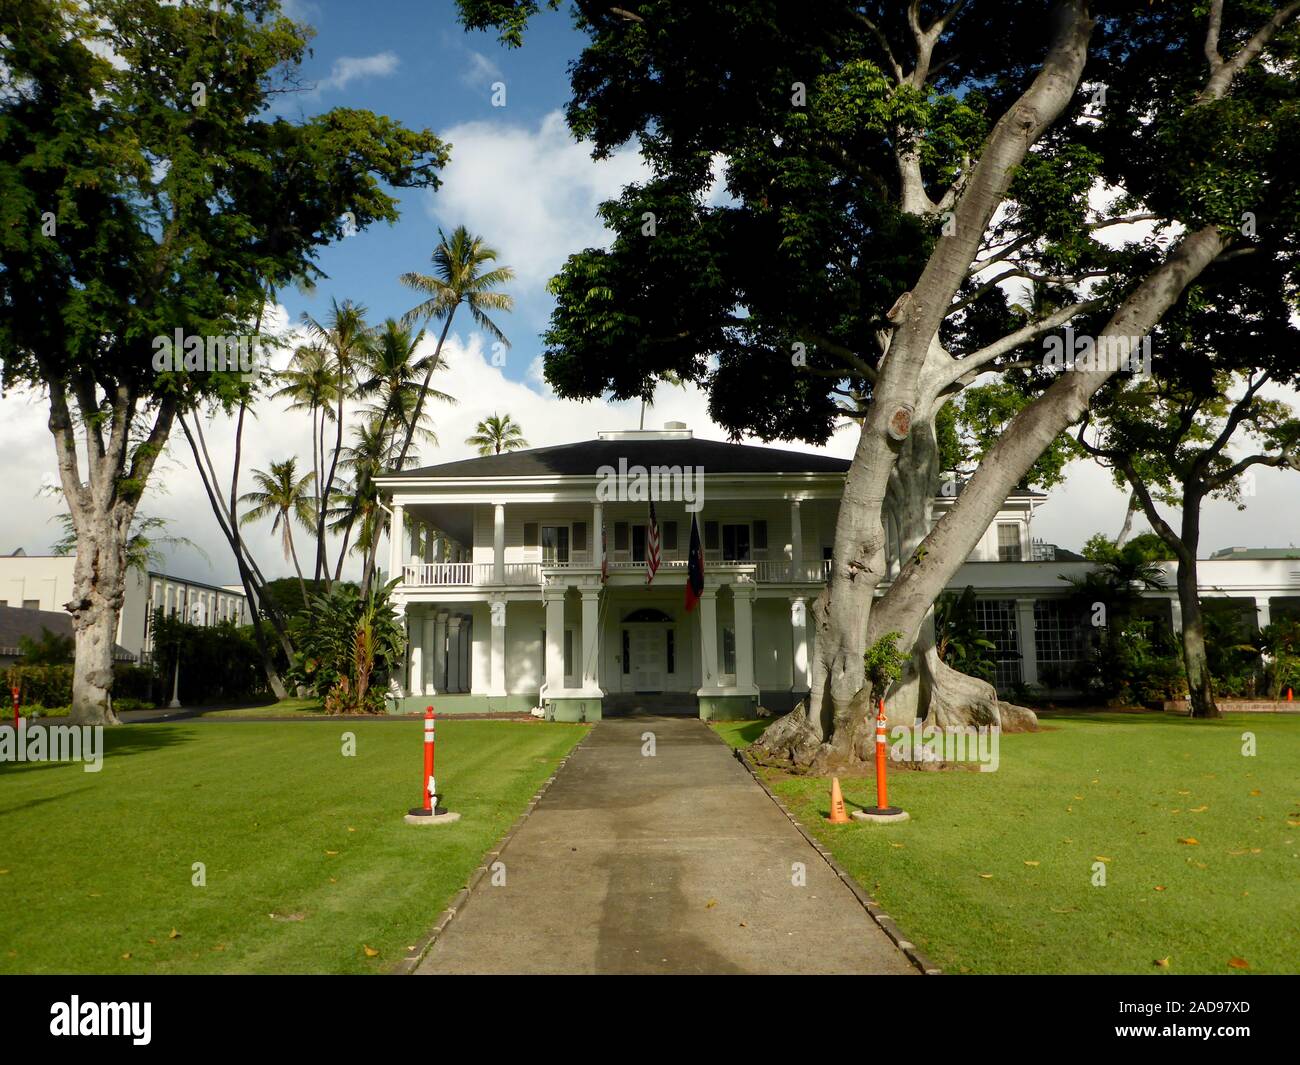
(509, 606)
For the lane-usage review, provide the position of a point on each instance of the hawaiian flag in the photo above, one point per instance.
(694, 568)
(652, 546)
(604, 555)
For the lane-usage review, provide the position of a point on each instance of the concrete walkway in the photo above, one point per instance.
(677, 863)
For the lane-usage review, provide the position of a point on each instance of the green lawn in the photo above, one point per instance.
(1119, 787)
(308, 861)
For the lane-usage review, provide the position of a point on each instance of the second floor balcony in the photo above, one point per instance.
(553, 570)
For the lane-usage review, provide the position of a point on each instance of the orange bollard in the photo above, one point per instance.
(882, 812)
(430, 811)
(838, 815)
(882, 789)
(1289, 696)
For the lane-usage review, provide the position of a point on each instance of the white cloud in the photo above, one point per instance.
(480, 71)
(347, 69)
(530, 193)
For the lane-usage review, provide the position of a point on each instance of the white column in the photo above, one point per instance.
(591, 641)
(1027, 630)
(417, 625)
(499, 544)
(397, 683)
(497, 661)
(800, 676)
(1263, 615)
(796, 541)
(439, 660)
(709, 637)
(396, 548)
(554, 599)
(597, 531)
(742, 597)
(427, 656)
(453, 653)
(1176, 615)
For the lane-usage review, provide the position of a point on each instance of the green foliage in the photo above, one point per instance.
(349, 645)
(218, 663)
(50, 685)
(960, 641)
(1145, 547)
(884, 663)
(1280, 642)
(49, 649)
(1231, 648)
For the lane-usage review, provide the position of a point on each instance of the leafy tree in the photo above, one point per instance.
(960, 641)
(1171, 439)
(891, 171)
(497, 433)
(144, 191)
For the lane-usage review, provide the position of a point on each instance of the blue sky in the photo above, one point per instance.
(411, 60)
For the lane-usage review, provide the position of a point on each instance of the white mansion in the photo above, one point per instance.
(507, 605)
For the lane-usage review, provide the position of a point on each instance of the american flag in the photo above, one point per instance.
(651, 546)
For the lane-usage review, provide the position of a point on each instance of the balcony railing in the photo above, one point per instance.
(481, 574)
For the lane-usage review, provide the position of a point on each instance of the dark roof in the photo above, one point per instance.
(16, 622)
(584, 459)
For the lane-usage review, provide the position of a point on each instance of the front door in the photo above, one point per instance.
(647, 657)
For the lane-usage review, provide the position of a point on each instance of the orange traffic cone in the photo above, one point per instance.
(838, 815)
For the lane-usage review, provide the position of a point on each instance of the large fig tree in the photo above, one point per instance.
(914, 195)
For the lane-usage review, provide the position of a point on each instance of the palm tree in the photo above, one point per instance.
(458, 278)
(496, 434)
(648, 400)
(388, 372)
(344, 339)
(312, 385)
(285, 498)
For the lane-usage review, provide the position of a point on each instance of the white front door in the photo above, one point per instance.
(648, 657)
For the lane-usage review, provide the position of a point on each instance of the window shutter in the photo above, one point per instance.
(530, 534)
(580, 536)
(620, 536)
(710, 536)
(670, 536)
(760, 535)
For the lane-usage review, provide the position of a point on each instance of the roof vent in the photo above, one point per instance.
(674, 425)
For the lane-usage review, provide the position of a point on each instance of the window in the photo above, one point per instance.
(760, 536)
(579, 536)
(669, 536)
(530, 534)
(997, 620)
(31, 604)
(627, 652)
(735, 543)
(1057, 639)
(555, 544)
(728, 649)
(1008, 542)
(620, 536)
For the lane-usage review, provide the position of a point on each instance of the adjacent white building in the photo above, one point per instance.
(44, 582)
(507, 605)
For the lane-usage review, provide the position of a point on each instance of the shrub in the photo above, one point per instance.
(348, 647)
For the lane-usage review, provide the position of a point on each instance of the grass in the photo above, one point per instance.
(307, 859)
(1118, 790)
(291, 707)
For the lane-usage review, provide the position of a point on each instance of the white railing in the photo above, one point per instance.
(483, 574)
